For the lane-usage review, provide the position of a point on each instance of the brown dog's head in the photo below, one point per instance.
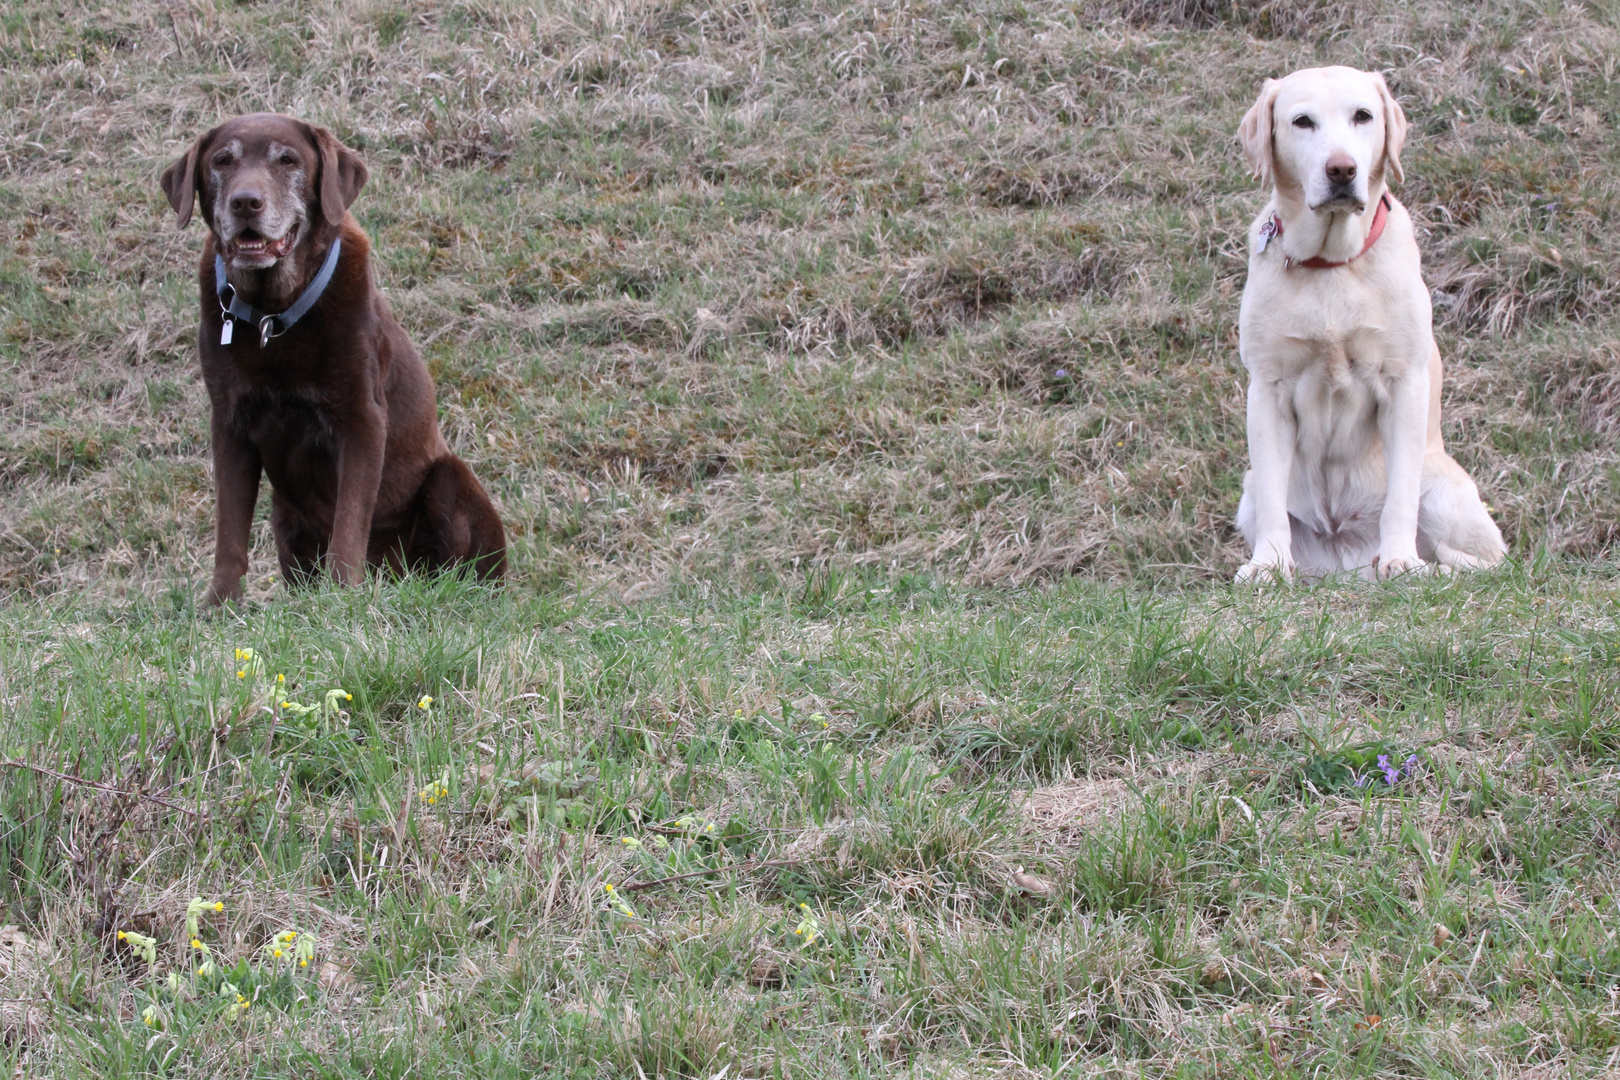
(263, 182)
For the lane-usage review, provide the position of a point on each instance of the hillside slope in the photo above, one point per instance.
(718, 292)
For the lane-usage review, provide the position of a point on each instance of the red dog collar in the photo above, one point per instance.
(1274, 228)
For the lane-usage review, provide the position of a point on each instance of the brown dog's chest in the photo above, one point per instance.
(296, 435)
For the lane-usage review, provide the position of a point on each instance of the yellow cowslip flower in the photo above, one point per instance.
(629, 841)
(808, 926)
(303, 963)
(276, 954)
(608, 885)
(143, 946)
(196, 943)
(241, 674)
(194, 913)
(281, 678)
(425, 702)
(617, 902)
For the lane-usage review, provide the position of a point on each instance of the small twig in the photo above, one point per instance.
(71, 779)
(740, 868)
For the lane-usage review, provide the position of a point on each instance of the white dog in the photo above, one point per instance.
(1347, 471)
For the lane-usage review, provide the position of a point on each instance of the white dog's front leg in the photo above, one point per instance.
(1403, 424)
(1272, 435)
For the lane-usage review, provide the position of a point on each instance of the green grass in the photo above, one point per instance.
(859, 386)
(1180, 767)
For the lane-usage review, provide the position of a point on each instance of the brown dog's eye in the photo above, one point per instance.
(1362, 117)
(288, 159)
(1304, 123)
(222, 159)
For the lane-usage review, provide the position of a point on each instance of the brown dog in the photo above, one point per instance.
(328, 397)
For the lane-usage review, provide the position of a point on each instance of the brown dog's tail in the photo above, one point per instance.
(457, 524)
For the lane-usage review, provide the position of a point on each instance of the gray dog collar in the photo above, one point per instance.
(233, 308)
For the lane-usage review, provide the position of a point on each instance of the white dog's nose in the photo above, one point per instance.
(1341, 169)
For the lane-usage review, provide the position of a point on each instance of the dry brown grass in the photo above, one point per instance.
(717, 292)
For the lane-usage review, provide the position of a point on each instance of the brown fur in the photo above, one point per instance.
(339, 411)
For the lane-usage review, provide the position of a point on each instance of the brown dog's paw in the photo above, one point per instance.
(219, 595)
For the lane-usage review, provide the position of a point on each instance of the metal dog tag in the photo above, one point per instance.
(227, 330)
(264, 331)
(1268, 233)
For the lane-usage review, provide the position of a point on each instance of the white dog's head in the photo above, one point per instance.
(1326, 136)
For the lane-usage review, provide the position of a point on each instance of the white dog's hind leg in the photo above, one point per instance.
(1452, 519)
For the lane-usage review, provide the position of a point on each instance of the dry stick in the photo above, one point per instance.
(638, 886)
(71, 779)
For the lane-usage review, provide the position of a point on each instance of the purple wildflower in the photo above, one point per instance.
(1062, 374)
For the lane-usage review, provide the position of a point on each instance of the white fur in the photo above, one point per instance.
(1347, 469)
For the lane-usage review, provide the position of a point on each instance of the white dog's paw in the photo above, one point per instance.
(1397, 565)
(1261, 573)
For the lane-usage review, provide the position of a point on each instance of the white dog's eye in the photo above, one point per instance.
(1362, 117)
(1304, 122)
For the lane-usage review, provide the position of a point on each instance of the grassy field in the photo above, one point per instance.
(859, 385)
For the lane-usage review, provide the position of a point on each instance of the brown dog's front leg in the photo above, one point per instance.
(236, 490)
(360, 466)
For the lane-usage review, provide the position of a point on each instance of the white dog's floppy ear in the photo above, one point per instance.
(1395, 126)
(1255, 133)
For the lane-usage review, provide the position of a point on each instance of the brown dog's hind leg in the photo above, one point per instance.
(457, 523)
(299, 548)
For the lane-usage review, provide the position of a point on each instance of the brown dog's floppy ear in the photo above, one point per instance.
(1395, 126)
(343, 174)
(1255, 133)
(180, 182)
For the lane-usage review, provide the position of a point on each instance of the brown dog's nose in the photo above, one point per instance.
(1341, 169)
(251, 202)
